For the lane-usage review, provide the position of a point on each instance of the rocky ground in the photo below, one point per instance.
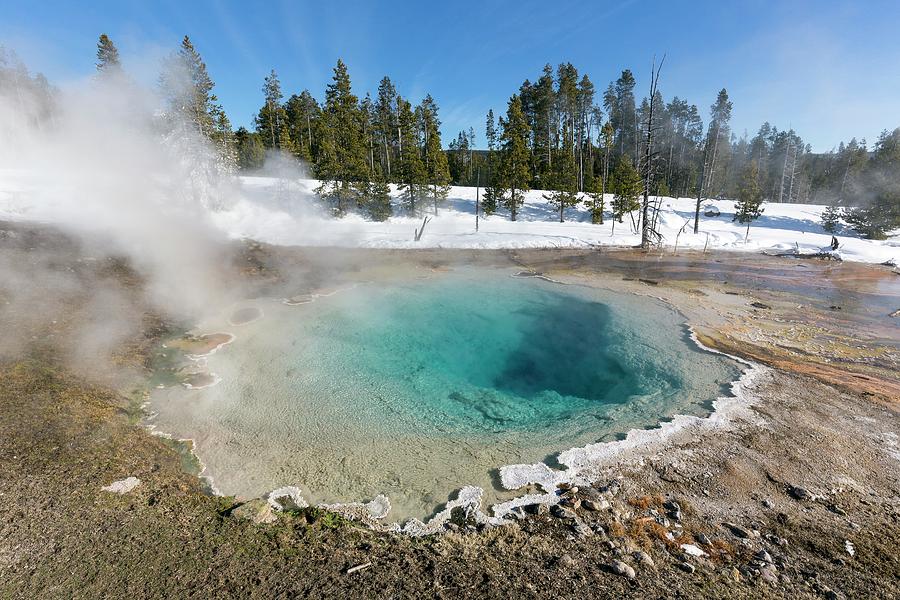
(795, 495)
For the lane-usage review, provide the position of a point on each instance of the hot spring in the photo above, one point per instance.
(417, 386)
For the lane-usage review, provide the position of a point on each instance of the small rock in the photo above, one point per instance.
(123, 486)
(565, 561)
(570, 502)
(686, 566)
(763, 556)
(692, 550)
(767, 503)
(760, 305)
(738, 530)
(581, 528)
(596, 505)
(673, 509)
(620, 568)
(800, 493)
(562, 512)
(703, 539)
(848, 546)
(774, 539)
(611, 488)
(769, 574)
(538, 508)
(643, 558)
(257, 511)
(837, 510)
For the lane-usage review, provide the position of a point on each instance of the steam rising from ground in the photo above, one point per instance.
(104, 164)
(104, 161)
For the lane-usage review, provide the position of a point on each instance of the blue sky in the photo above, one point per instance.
(830, 69)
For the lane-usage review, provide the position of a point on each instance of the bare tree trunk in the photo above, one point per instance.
(648, 155)
(793, 174)
(787, 152)
(699, 197)
(477, 197)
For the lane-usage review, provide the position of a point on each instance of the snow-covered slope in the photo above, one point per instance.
(271, 211)
(281, 211)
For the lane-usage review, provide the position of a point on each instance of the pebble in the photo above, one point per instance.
(596, 505)
(763, 556)
(800, 493)
(620, 568)
(581, 528)
(674, 509)
(686, 567)
(562, 512)
(692, 550)
(769, 574)
(538, 508)
(123, 486)
(738, 530)
(570, 502)
(643, 558)
(767, 503)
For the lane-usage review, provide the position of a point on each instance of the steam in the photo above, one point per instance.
(104, 161)
(104, 165)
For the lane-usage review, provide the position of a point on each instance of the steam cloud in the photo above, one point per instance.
(103, 161)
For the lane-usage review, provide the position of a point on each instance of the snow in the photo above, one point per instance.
(782, 227)
(286, 212)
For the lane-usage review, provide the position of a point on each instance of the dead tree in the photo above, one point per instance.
(419, 232)
(646, 231)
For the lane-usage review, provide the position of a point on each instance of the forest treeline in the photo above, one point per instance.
(557, 133)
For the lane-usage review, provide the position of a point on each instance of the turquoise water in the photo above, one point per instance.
(415, 387)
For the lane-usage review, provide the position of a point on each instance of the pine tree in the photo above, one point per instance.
(748, 208)
(379, 205)
(492, 191)
(223, 137)
(831, 218)
(302, 113)
(627, 185)
(387, 125)
(620, 106)
(342, 165)
(272, 118)
(200, 103)
(107, 56)
(250, 150)
(564, 177)
(192, 106)
(718, 143)
(411, 170)
(437, 171)
(516, 159)
(596, 200)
